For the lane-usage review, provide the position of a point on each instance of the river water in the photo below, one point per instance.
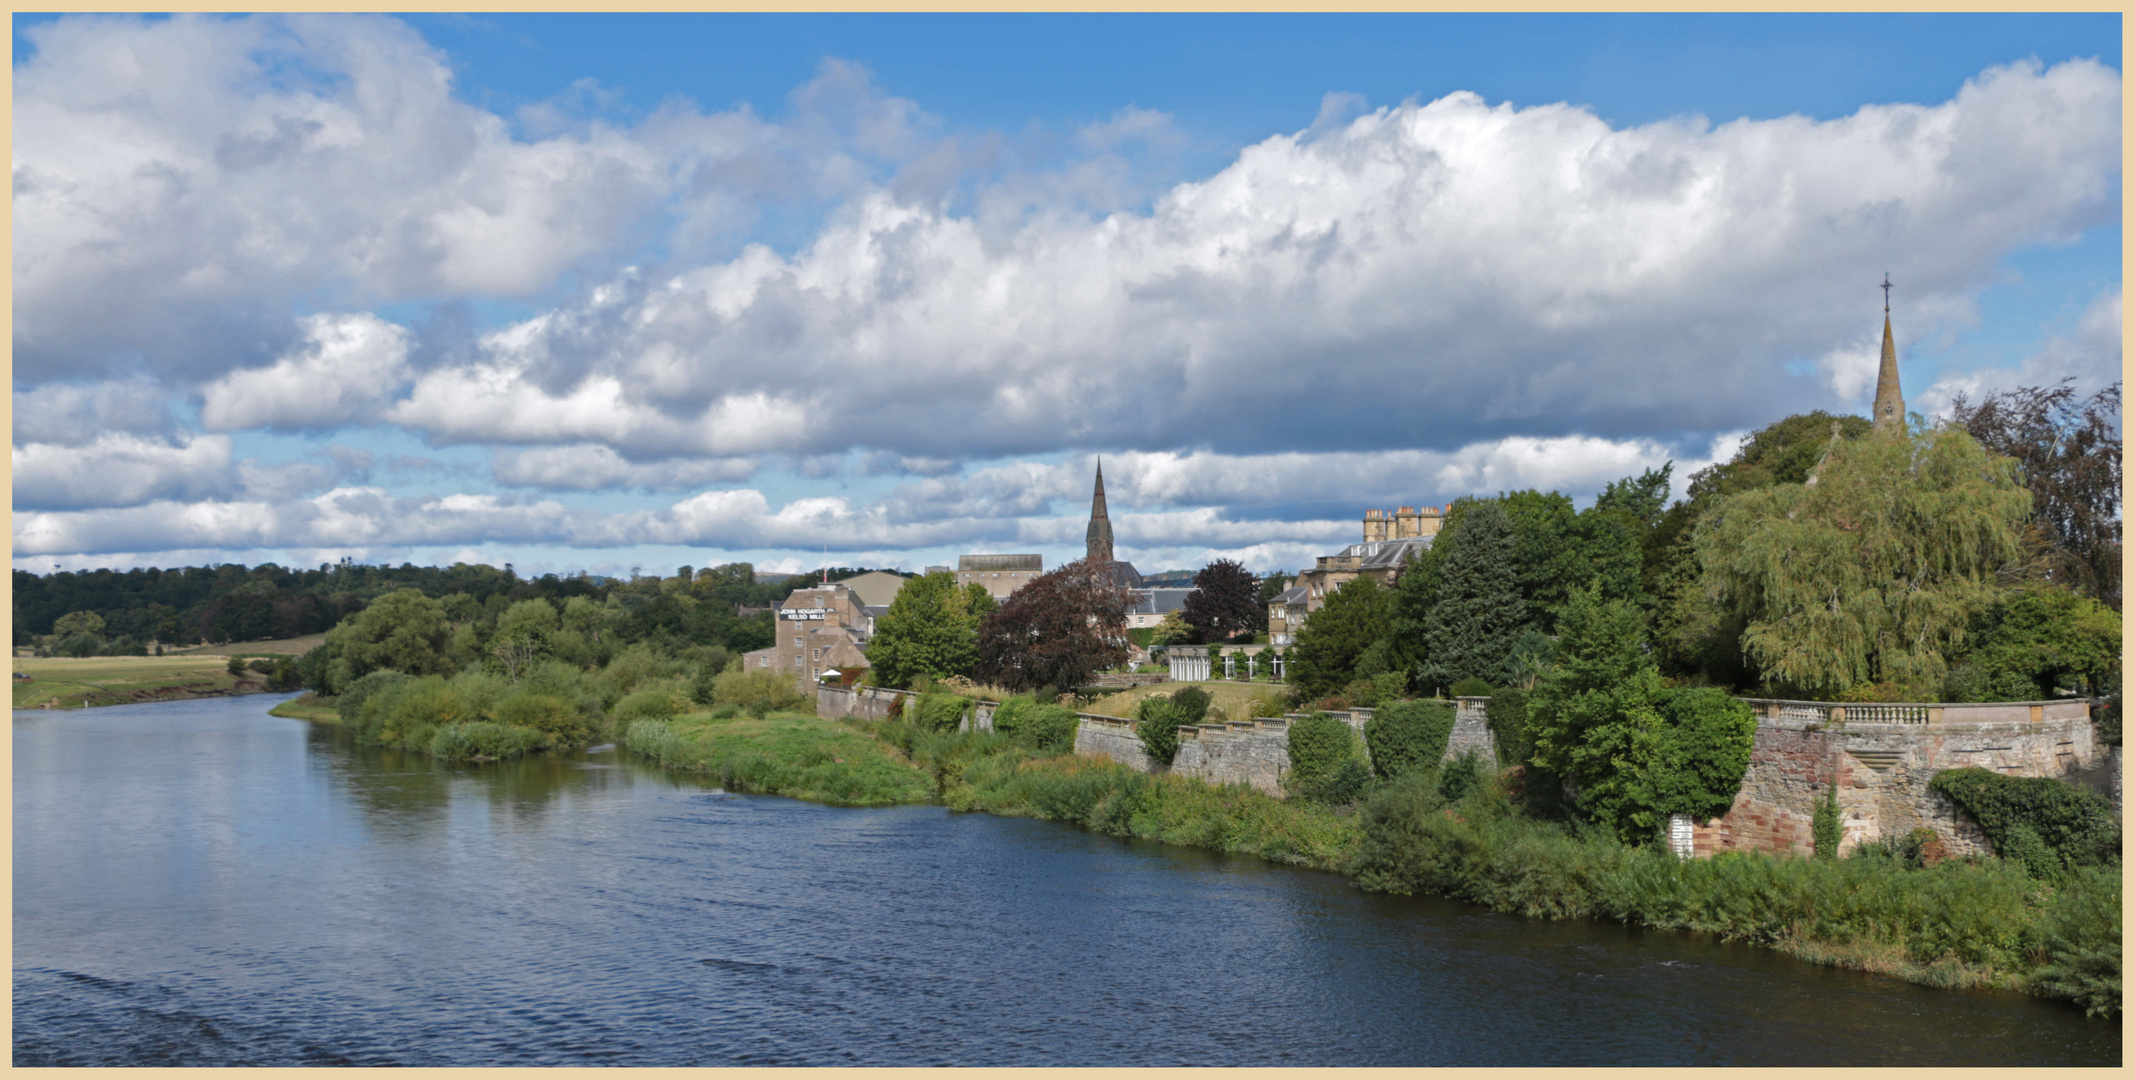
(199, 883)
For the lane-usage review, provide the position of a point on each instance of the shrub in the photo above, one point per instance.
(652, 704)
(757, 692)
(125, 645)
(80, 643)
(1319, 744)
(1407, 735)
(1156, 722)
(1345, 784)
(1507, 716)
(359, 692)
(1460, 776)
(236, 666)
(1824, 825)
(2044, 824)
(1472, 687)
(1048, 728)
(1009, 711)
(942, 712)
(2082, 932)
(543, 713)
(1192, 703)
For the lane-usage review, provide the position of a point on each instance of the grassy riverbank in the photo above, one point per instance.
(1977, 923)
(73, 683)
(308, 706)
(793, 754)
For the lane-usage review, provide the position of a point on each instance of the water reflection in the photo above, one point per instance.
(205, 885)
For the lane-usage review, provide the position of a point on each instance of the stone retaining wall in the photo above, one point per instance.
(1882, 771)
(1881, 768)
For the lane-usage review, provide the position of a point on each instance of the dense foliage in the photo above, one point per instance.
(1873, 574)
(1336, 638)
(1045, 728)
(931, 629)
(1157, 721)
(1957, 923)
(1637, 749)
(1478, 614)
(2046, 825)
(2068, 453)
(1407, 735)
(1225, 602)
(2035, 641)
(1326, 762)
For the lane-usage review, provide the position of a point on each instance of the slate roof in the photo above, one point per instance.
(1158, 601)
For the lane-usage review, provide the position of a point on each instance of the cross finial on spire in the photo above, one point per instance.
(1886, 292)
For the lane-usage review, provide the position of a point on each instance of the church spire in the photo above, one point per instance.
(1888, 413)
(1100, 535)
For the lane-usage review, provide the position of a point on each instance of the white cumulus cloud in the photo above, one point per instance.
(343, 372)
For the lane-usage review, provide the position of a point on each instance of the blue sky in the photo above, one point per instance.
(578, 291)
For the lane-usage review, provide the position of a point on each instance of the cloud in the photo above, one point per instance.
(593, 467)
(214, 171)
(342, 373)
(71, 414)
(121, 470)
(1427, 276)
(2088, 352)
(1159, 502)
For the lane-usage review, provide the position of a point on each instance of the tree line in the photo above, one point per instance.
(1974, 559)
(123, 612)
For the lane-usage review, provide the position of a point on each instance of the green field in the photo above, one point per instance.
(296, 646)
(68, 683)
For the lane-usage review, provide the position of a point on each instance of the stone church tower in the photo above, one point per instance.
(1888, 415)
(1100, 534)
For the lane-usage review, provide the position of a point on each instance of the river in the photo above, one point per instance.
(199, 883)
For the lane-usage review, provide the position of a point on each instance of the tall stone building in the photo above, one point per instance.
(1099, 539)
(1888, 416)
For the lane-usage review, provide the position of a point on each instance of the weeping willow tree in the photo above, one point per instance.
(1867, 574)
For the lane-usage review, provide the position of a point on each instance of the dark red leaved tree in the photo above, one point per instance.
(1059, 630)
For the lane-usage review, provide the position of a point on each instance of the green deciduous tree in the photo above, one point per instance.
(522, 636)
(1873, 572)
(1636, 750)
(402, 631)
(78, 622)
(1337, 636)
(2026, 644)
(931, 629)
(2068, 455)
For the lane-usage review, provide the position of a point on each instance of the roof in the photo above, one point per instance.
(1124, 574)
(1000, 562)
(1378, 553)
(1296, 594)
(1158, 601)
(874, 587)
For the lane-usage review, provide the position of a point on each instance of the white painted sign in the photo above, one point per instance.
(802, 613)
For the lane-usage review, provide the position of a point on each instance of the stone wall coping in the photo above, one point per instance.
(1932, 714)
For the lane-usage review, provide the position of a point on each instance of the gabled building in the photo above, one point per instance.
(818, 630)
(999, 575)
(1151, 605)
